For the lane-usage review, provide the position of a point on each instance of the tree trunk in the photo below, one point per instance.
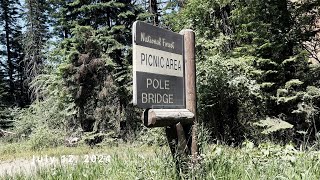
(154, 10)
(9, 58)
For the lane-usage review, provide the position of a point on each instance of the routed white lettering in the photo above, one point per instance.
(158, 83)
(160, 62)
(151, 97)
(170, 98)
(157, 98)
(144, 98)
(149, 82)
(166, 84)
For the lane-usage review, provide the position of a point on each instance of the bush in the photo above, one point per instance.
(45, 122)
(229, 101)
(152, 136)
(44, 137)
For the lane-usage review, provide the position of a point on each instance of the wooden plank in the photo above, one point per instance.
(168, 117)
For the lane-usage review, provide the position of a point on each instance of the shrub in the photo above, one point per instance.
(44, 137)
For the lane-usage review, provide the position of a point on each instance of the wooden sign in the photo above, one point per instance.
(163, 89)
(158, 68)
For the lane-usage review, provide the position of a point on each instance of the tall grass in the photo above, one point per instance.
(266, 161)
(125, 163)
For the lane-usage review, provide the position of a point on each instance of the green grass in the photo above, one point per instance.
(267, 161)
(23, 150)
(264, 162)
(127, 162)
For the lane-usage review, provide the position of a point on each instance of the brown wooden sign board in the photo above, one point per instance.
(158, 68)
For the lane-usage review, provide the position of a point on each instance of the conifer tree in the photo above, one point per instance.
(12, 54)
(35, 38)
(97, 67)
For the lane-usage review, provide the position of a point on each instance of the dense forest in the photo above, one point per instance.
(66, 69)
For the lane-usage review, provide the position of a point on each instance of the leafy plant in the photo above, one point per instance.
(273, 125)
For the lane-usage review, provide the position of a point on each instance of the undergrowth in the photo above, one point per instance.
(266, 161)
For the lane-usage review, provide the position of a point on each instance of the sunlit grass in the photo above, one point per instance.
(22, 150)
(266, 161)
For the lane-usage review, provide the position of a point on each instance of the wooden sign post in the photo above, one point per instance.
(191, 91)
(164, 83)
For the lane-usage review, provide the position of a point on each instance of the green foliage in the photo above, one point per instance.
(88, 76)
(44, 137)
(6, 118)
(251, 65)
(272, 125)
(35, 40)
(207, 17)
(45, 123)
(152, 136)
(82, 82)
(96, 64)
(228, 100)
(266, 161)
(12, 75)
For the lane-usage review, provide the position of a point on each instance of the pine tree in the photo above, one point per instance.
(98, 59)
(63, 17)
(35, 38)
(12, 54)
